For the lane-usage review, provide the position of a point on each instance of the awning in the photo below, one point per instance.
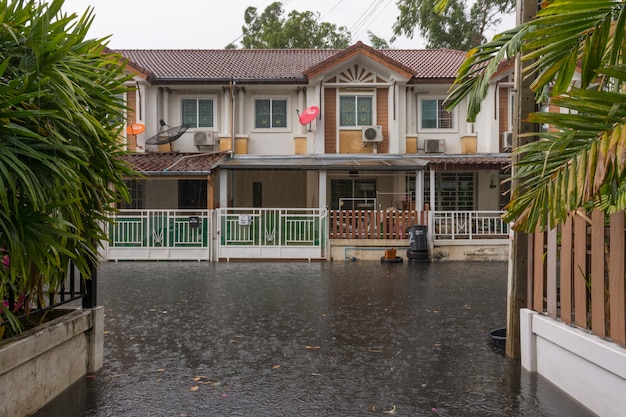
(174, 163)
(327, 162)
(189, 164)
(381, 162)
(469, 162)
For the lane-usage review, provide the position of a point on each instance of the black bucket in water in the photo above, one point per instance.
(418, 243)
(499, 337)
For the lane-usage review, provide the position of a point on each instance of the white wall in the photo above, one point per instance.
(488, 198)
(590, 369)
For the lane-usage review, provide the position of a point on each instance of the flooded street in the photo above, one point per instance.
(306, 339)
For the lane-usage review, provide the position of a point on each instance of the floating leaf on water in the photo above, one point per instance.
(312, 347)
(194, 388)
(392, 411)
(374, 350)
(153, 309)
(437, 345)
(197, 378)
(275, 366)
(161, 370)
(106, 332)
(372, 408)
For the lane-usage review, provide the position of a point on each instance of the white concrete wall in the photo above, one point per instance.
(590, 369)
(448, 250)
(365, 249)
(159, 103)
(471, 250)
(42, 362)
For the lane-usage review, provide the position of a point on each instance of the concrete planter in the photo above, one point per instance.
(39, 364)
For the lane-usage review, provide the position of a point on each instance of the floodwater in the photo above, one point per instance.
(306, 339)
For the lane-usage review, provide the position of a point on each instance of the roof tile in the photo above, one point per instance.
(274, 64)
(173, 162)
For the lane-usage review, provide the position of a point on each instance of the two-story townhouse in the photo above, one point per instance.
(247, 103)
(380, 138)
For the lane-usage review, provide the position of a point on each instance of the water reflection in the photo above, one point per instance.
(300, 339)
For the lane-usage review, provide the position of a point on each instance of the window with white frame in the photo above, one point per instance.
(434, 114)
(198, 112)
(270, 113)
(356, 110)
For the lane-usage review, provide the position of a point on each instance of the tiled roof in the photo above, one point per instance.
(429, 63)
(165, 163)
(469, 162)
(273, 64)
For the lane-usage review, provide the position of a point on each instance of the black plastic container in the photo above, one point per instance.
(418, 243)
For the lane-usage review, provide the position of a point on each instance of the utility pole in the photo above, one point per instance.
(517, 294)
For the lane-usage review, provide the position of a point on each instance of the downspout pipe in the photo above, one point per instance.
(233, 100)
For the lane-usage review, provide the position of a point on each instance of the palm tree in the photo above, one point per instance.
(581, 161)
(61, 112)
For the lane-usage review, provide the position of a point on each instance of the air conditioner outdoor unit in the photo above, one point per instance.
(507, 140)
(372, 134)
(204, 138)
(435, 145)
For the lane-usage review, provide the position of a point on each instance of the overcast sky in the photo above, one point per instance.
(213, 24)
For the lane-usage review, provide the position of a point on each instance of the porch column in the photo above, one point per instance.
(432, 190)
(419, 189)
(322, 190)
(224, 187)
(210, 186)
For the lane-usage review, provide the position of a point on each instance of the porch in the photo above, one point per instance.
(297, 233)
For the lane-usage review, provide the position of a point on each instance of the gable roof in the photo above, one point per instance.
(163, 66)
(358, 49)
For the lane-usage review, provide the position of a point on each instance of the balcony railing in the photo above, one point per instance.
(374, 224)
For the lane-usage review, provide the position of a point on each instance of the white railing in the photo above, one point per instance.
(301, 233)
(468, 225)
(160, 234)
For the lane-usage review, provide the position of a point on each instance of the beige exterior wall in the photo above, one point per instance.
(286, 189)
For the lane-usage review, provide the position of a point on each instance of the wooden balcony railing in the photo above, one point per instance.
(374, 224)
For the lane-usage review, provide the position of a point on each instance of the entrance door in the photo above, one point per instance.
(257, 194)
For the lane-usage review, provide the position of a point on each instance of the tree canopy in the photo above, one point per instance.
(457, 26)
(581, 162)
(299, 30)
